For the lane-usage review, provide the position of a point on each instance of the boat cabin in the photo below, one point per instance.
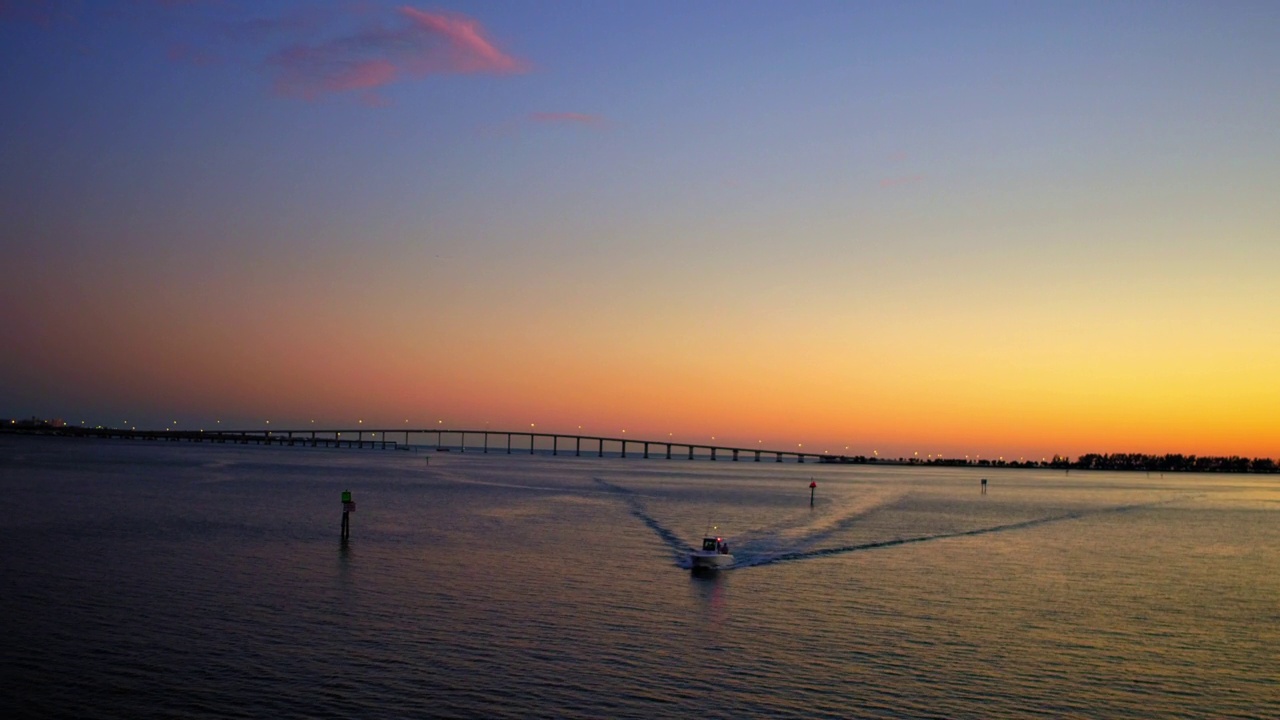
(716, 545)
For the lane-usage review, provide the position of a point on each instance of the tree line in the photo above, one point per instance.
(1172, 462)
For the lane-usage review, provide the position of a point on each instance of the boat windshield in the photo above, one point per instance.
(709, 544)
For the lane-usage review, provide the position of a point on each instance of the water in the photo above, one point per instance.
(166, 580)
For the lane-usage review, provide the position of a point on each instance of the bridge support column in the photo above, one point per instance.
(690, 452)
(757, 456)
(508, 443)
(577, 447)
(713, 453)
(486, 443)
(646, 451)
(735, 456)
(624, 448)
(532, 437)
(668, 451)
(600, 447)
(779, 457)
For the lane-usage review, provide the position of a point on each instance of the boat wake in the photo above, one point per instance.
(679, 548)
(753, 548)
(806, 530)
(769, 559)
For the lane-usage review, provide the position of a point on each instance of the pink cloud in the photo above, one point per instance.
(361, 76)
(466, 50)
(421, 44)
(568, 117)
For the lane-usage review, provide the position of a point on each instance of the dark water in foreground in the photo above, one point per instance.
(157, 580)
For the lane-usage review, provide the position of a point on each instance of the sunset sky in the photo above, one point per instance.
(953, 228)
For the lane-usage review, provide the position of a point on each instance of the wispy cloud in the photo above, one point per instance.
(513, 126)
(309, 51)
(467, 49)
(572, 118)
(418, 44)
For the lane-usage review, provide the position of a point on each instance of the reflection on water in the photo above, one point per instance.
(708, 590)
(162, 580)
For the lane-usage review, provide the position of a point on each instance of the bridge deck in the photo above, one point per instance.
(483, 441)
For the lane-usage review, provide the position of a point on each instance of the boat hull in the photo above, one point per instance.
(700, 559)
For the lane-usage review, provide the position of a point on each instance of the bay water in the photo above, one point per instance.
(153, 579)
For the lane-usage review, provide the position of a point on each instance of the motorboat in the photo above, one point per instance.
(714, 554)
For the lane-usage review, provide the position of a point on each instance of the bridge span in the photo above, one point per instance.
(461, 441)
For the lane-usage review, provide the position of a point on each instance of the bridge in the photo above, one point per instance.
(458, 440)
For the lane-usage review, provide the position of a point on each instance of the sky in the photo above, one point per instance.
(945, 228)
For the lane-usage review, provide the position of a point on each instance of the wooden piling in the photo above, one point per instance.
(348, 507)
